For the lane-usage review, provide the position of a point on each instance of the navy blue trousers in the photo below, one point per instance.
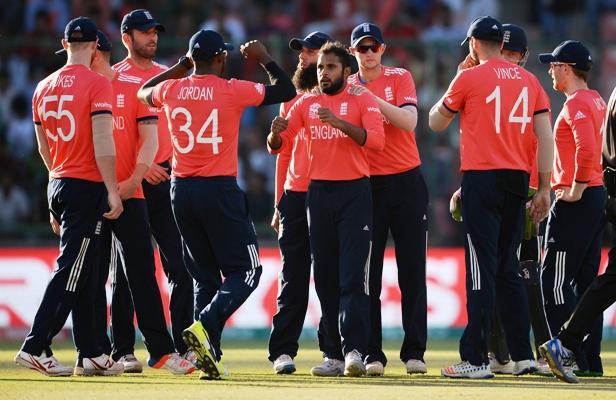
(167, 236)
(128, 239)
(78, 206)
(572, 257)
(493, 204)
(340, 222)
(219, 238)
(400, 204)
(294, 279)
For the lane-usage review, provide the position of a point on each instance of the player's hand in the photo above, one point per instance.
(275, 220)
(55, 226)
(127, 188)
(279, 125)
(255, 50)
(540, 205)
(358, 89)
(156, 174)
(467, 63)
(115, 205)
(566, 195)
(325, 115)
(455, 205)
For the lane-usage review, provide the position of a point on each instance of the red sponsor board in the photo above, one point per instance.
(24, 273)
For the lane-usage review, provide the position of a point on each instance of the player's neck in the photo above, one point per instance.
(143, 63)
(490, 55)
(369, 74)
(574, 86)
(79, 58)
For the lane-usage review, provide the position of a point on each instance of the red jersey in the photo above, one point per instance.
(127, 66)
(128, 111)
(395, 86)
(497, 101)
(204, 114)
(63, 104)
(577, 134)
(292, 162)
(333, 156)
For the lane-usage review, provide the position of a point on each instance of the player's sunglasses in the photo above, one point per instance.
(559, 64)
(363, 48)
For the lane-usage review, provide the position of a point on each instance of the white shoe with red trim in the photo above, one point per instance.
(49, 366)
(101, 365)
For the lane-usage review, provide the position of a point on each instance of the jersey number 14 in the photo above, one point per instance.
(513, 118)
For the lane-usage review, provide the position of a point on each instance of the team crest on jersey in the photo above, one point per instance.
(344, 108)
(120, 101)
(389, 94)
(313, 111)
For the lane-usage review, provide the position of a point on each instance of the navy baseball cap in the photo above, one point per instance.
(514, 38)
(206, 44)
(81, 29)
(140, 19)
(365, 30)
(314, 40)
(103, 43)
(570, 52)
(485, 28)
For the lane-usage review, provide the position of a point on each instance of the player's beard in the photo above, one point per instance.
(145, 51)
(334, 86)
(305, 79)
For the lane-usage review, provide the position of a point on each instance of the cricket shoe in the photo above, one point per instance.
(354, 364)
(173, 362)
(560, 360)
(465, 369)
(49, 366)
(131, 364)
(198, 341)
(375, 368)
(543, 368)
(415, 367)
(498, 368)
(284, 365)
(524, 367)
(329, 367)
(101, 365)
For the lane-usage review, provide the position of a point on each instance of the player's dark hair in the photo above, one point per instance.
(339, 50)
(580, 74)
(490, 44)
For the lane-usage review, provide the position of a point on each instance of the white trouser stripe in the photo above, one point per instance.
(367, 270)
(252, 257)
(71, 285)
(256, 253)
(559, 278)
(475, 274)
(113, 265)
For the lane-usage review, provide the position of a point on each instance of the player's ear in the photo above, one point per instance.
(346, 72)
(383, 47)
(126, 39)
(64, 44)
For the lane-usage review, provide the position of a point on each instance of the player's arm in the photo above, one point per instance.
(585, 144)
(178, 71)
(440, 117)
(404, 117)
(540, 204)
(148, 135)
(43, 147)
(281, 88)
(284, 130)
(104, 152)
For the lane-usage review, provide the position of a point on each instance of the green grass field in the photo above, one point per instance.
(251, 377)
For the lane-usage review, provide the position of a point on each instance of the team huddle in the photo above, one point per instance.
(136, 150)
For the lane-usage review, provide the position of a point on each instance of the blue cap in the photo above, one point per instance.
(485, 28)
(365, 30)
(140, 19)
(514, 38)
(81, 29)
(206, 44)
(570, 52)
(103, 43)
(314, 40)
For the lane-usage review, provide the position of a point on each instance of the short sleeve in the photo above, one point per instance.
(543, 101)
(36, 117)
(406, 94)
(159, 92)
(455, 97)
(102, 97)
(372, 122)
(247, 93)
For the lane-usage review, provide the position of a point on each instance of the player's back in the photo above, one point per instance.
(63, 104)
(497, 101)
(204, 113)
